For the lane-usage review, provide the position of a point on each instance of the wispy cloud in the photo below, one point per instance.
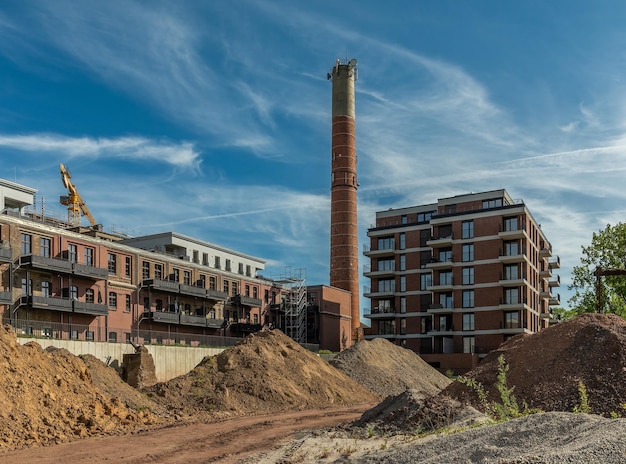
(181, 155)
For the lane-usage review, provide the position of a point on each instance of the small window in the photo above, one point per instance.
(112, 300)
(89, 295)
(468, 321)
(89, 252)
(468, 276)
(112, 337)
(468, 252)
(145, 270)
(72, 253)
(45, 247)
(467, 229)
(228, 268)
(158, 271)
(112, 263)
(89, 336)
(468, 344)
(127, 266)
(186, 277)
(26, 246)
(127, 305)
(468, 298)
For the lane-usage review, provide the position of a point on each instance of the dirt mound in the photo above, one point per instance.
(266, 372)
(49, 397)
(389, 369)
(411, 412)
(546, 367)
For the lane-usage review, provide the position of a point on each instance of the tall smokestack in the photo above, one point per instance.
(344, 239)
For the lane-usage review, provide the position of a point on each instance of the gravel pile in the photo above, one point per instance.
(389, 369)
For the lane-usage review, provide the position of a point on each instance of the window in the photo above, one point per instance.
(44, 247)
(73, 292)
(218, 265)
(424, 217)
(127, 266)
(228, 268)
(387, 285)
(403, 262)
(445, 323)
(511, 248)
(467, 229)
(26, 246)
(89, 295)
(89, 336)
(403, 304)
(445, 255)
(240, 270)
(205, 259)
(386, 327)
(468, 344)
(235, 288)
(511, 320)
(202, 281)
(72, 253)
(402, 241)
(386, 265)
(445, 278)
(158, 271)
(384, 306)
(74, 334)
(247, 291)
(255, 292)
(127, 305)
(112, 300)
(403, 283)
(511, 296)
(27, 286)
(493, 203)
(402, 326)
(196, 256)
(468, 276)
(89, 256)
(468, 298)
(256, 319)
(145, 270)
(426, 280)
(175, 275)
(510, 224)
(112, 337)
(468, 252)
(45, 289)
(226, 286)
(248, 271)
(468, 321)
(386, 243)
(158, 305)
(445, 300)
(212, 284)
(112, 263)
(405, 220)
(511, 272)
(187, 277)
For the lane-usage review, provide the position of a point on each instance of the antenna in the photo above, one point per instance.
(353, 62)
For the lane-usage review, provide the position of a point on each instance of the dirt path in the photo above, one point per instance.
(221, 442)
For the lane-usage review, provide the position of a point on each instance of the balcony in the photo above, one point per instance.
(509, 304)
(184, 319)
(48, 303)
(6, 255)
(247, 301)
(554, 263)
(545, 293)
(381, 313)
(160, 316)
(6, 297)
(383, 252)
(545, 273)
(513, 258)
(512, 234)
(192, 290)
(440, 242)
(369, 293)
(437, 308)
(545, 251)
(439, 264)
(94, 309)
(368, 272)
(216, 295)
(512, 280)
(162, 285)
(46, 264)
(84, 270)
(445, 286)
(556, 282)
(554, 300)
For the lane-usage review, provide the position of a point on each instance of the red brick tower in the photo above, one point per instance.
(344, 239)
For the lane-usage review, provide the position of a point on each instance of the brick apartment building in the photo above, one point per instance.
(82, 283)
(454, 279)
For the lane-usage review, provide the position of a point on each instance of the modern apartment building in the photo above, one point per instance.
(452, 280)
(68, 282)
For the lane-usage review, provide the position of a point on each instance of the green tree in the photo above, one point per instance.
(607, 251)
(562, 314)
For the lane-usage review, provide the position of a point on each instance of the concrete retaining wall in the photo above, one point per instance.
(169, 361)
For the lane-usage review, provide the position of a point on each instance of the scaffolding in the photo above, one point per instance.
(294, 303)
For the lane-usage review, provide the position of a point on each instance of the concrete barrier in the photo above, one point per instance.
(169, 361)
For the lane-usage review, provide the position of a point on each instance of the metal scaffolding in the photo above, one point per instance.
(294, 303)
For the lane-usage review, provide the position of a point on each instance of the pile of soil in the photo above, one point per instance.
(50, 397)
(412, 413)
(389, 369)
(266, 372)
(545, 368)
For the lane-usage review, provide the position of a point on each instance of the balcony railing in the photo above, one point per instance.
(89, 271)
(45, 263)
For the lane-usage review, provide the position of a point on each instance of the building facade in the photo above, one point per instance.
(67, 282)
(452, 280)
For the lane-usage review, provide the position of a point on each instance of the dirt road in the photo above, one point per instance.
(220, 442)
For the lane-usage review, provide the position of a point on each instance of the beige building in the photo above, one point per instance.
(452, 280)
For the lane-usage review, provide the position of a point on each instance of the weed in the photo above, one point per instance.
(370, 431)
(383, 445)
(583, 407)
(324, 454)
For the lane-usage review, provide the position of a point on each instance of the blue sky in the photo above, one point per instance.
(212, 119)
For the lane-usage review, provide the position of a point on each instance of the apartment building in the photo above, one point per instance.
(452, 280)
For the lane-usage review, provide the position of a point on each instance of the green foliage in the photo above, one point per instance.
(607, 250)
(562, 314)
(583, 407)
(508, 407)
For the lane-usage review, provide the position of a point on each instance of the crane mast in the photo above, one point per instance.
(76, 206)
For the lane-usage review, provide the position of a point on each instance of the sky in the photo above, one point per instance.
(212, 119)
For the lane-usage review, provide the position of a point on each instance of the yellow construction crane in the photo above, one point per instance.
(75, 204)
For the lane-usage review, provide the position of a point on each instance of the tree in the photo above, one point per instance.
(607, 251)
(562, 314)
